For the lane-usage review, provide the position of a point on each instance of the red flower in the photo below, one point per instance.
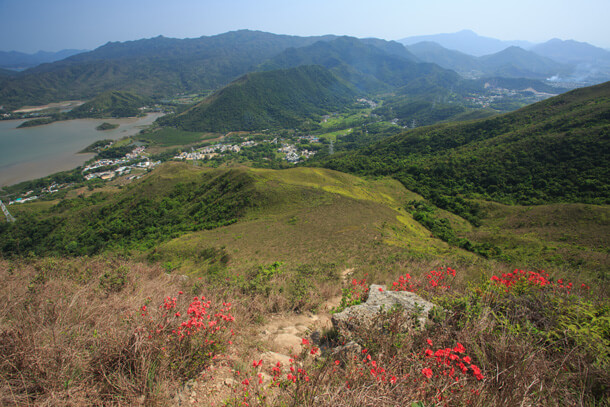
(305, 341)
(427, 372)
(429, 342)
(459, 348)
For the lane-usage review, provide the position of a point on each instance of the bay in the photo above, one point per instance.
(35, 152)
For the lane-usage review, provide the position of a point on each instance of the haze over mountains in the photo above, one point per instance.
(468, 42)
(19, 61)
(571, 61)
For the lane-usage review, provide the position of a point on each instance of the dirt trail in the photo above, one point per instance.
(285, 333)
(281, 337)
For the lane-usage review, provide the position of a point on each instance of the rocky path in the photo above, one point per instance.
(280, 338)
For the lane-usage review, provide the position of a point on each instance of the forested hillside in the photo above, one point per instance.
(557, 150)
(111, 104)
(281, 98)
(365, 64)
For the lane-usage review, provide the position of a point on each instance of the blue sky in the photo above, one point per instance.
(32, 25)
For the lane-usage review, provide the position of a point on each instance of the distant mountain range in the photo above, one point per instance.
(512, 62)
(20, 61)
(152, 67)
(571, 52)
(557, 60)
(467, 42)
(162, 67)
(363, 63)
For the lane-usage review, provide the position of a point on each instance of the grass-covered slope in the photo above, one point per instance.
(124, 329)
(557, 150)
(281, 98)
(573, 237)
(295, 215)
(166, 204)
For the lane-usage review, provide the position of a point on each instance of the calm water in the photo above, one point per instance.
(34, 152)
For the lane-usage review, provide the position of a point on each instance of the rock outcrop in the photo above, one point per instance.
(359, 315)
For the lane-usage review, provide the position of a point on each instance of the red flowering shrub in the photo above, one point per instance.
(522, 279)
(427, 376)
(355, 294)
(187, 343)
(436, 279)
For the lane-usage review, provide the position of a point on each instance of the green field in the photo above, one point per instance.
(167, 137)
(334, 134)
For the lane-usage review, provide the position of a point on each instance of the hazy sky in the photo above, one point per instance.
(51, 25)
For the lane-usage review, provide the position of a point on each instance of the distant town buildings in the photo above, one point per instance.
(206, 153)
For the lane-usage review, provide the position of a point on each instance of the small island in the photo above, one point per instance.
(106, 126)
(37, 122)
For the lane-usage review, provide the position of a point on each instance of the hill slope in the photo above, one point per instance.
(557, 150)
(512, 62)
(361, 62)
(281, 98)
(300, 215)
(155, 66)
(515, 62)
(111, 104)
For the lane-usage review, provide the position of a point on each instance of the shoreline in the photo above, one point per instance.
(57, 105)
(58, 145)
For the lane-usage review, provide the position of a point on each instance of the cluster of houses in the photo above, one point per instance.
(293, 155)
(207, 153)
(123, 170)
(136, 154)
(28, 196)
(371, 104)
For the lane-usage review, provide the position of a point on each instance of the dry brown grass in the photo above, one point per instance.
(71, 333)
